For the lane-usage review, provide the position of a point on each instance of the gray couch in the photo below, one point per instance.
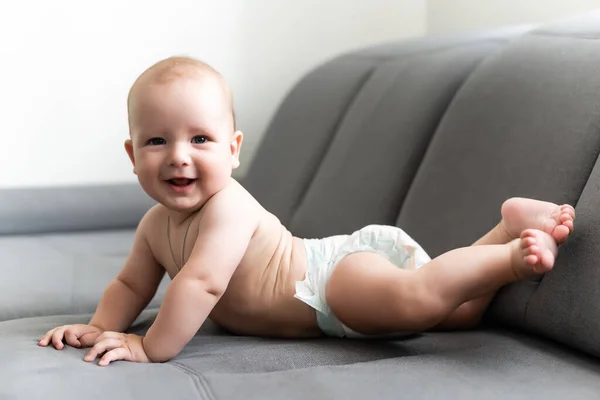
(429, 134)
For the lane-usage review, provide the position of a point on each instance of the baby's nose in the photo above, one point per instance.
(179, 156)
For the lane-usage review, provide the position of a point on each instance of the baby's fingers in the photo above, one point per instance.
(88, 339)
(71, 337)
(114, 355)
(101, 347)
(57, 338)
(46, 338)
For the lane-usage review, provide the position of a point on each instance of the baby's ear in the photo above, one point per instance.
(235, 146)
(129, 150)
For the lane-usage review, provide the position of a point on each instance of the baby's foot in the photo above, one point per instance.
(520, 213)
(534, 253)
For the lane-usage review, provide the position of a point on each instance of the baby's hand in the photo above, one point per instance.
(118, 346)
(77, 335)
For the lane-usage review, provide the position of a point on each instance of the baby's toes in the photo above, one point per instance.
(527, 242)
(568, 224)
(531, 259)
(532, 250)
(527, 235)
(560, 233)
(567, 219)
(529, 246)
(567, 209)
(546, 261)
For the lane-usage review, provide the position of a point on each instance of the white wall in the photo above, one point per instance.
(446, 16)
(66, 67)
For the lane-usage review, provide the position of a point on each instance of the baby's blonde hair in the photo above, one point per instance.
(177, 67)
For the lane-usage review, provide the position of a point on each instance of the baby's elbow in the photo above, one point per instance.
(211, 286)
(162, 357)
(215, 288)
(196, 284)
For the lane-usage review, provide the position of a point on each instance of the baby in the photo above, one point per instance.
(232, 261)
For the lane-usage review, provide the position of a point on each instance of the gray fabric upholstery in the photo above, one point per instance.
(301, 132)
(531, 112)
(323, 103)
(485, 364)
(525, 124)
(61, 273)
(371, 162)
(429, 134)
(566, 305)
(67, 209)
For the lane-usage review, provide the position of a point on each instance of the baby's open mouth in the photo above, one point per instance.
(181, 182)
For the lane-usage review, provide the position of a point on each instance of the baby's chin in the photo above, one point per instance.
(182, 204)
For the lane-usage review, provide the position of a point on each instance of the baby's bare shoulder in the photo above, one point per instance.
(233, 200)
(151, 220)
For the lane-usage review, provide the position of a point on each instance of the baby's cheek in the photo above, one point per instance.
(147, 183)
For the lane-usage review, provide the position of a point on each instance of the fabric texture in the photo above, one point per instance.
(375, 152)
(300, 133)
(483, 364)
(61, 273)
(565, 306)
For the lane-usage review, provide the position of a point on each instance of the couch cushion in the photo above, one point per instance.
(316, 110)
(64, 273)
(565, 306)
(524, 124)
(468, 365)
(300, 133)
(376, 151)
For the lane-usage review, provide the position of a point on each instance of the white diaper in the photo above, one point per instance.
(322, 255)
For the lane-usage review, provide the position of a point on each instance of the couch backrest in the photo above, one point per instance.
(434, 134)
(72, 208)
(364, 118)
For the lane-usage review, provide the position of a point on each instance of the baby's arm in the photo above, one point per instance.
(133, 288)
(225, 231)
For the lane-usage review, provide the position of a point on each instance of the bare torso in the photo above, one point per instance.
(259, 299)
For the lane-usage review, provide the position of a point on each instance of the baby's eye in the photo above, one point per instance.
(199, 139)
(156, 141)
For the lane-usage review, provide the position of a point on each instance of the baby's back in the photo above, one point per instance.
(260, 296)
(259, 299)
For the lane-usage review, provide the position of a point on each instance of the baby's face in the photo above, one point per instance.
(183, 145)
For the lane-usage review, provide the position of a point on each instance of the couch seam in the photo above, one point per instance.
(327, 148)
(379, 61)
(199, 380)
(526, 311)
(436, 129)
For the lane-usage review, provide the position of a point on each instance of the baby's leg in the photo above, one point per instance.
(518, 214)
(372, 296)
(468, 315)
